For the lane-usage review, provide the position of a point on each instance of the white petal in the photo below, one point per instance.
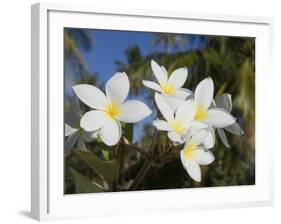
(164, 107)
(194, 170)
(91, 96)
(111, 132)
(117, 88)
(182, 93)
(204, 92)
(178, 77)
(90, 136)
(184, 161)
(219, 118)
(164, 70)
(223, 137)
(234, 129)
(203, 156)
(133, 111)
(162, 125)
(175, 137)
(70, 142)
(197, 125)
(224, 101)
(174, 102)
(93, 120)
(199, 136)
(158, 72)
(192, 127)
(186, 112)
(209, 141)
(68, 130)
(152, 85)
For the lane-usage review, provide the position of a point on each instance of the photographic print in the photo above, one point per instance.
(155, 111)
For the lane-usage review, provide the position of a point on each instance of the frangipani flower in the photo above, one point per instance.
(72, 129)
(176, 125)
(170, 87)
(203, 96)
(224, 101)
(110, 109)
(196, 153)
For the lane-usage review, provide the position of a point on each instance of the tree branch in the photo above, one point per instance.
(142, 173)
(120, 158)
(154, 141)
(138, 149)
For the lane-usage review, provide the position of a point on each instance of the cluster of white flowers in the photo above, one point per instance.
(188, 118)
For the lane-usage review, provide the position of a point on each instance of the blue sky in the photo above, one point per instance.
(109, 46)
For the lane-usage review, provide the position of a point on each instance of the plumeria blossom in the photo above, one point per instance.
(204, 111)
(224, 101)
(72, 130)
(169, 87)
(176, 125)
(110, 109)
(196, 152)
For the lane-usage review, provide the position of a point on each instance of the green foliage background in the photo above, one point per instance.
(230, 61)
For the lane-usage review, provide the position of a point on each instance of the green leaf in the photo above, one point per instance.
(105, 147)
(105, 154)
(221, 90)
(99, 140)
(123, 125)
(83, 184)
(106, 169)
(129, 131)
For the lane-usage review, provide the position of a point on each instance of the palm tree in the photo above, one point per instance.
(168, 41)
(74, 41)
(75, 69)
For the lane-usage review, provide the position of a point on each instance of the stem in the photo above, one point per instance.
(147, 163)
(120, 158)
(154, 141)
(142, 173)
(155, 133)
(118, 154)
(138, 149)
(116, 149)
(148, 160)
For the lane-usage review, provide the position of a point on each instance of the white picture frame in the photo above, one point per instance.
(48, 201)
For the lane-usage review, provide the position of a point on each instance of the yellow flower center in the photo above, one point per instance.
(177, 126)
(201, 113)
(188, 150)
(112, 110)
(168, 89)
